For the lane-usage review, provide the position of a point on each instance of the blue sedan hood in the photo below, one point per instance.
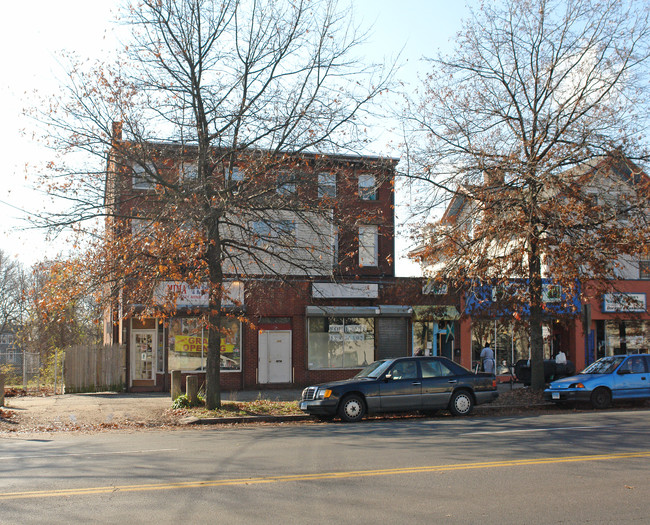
(566, 381)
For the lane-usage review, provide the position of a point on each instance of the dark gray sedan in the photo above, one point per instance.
(426, 384)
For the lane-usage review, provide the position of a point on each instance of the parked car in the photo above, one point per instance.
(609, 379)
(427, 384)
(552, 370)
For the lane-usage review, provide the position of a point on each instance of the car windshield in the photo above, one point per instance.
(605, 365)
(374, 370)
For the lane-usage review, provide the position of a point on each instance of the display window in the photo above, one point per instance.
(624, 337)
(188, 344)
(341, 342)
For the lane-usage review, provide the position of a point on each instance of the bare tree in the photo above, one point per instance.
(542, 103)
(12, 280)
(251, 99)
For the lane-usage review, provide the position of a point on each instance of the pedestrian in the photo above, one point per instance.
(487, 357)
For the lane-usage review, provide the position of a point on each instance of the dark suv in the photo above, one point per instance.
(426, 384)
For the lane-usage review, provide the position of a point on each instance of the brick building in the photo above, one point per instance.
(300, 323)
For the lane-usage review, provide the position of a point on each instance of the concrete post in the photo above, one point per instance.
(176, 384)
(2, 390)
(192, 389)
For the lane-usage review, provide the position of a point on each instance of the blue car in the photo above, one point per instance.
(612, 378)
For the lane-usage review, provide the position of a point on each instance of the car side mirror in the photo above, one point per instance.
(388, 376)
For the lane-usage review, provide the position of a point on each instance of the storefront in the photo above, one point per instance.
(340, 337)
(621, 324)
(435, 330)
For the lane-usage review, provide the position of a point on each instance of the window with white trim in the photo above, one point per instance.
(368, 245)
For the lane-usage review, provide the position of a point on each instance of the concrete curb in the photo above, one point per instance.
(242, 419)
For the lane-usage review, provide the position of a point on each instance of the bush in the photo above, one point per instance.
(183, 401)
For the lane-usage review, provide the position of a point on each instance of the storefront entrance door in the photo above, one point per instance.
(143, 354)
(274, 356)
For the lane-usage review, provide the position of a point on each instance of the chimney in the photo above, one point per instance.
(117, 131)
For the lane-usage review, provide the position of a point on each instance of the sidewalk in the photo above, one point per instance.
(114, 410)
(107, 409)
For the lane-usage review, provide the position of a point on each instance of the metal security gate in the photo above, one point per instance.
(391, 337)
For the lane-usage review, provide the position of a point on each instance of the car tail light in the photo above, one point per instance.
(494, 383)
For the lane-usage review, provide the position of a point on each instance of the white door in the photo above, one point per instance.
(274, 356)
(143, 355)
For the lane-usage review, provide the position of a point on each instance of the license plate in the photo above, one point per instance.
(303, 405)
(555, 395)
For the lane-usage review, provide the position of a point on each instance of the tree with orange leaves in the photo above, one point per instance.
(531, 136)
(215, 118)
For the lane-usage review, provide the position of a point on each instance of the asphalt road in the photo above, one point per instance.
(590, 467)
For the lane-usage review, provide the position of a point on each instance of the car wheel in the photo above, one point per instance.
(352, 408)
(461, 403)
(601, 398)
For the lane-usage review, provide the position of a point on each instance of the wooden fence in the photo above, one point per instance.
(94, 368)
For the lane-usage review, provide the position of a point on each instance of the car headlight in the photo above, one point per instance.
(323, 393)
(576, 385)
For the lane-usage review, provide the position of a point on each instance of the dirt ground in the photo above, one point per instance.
(78, 412)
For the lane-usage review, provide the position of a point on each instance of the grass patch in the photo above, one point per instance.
(259, 407)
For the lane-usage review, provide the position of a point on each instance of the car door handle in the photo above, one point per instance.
(416, 383)
(452, 381)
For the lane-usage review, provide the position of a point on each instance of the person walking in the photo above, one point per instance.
(487, 357)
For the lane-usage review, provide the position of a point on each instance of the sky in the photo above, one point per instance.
(33, 32)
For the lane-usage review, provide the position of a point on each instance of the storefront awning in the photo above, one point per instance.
(360, 311)
(436, 312)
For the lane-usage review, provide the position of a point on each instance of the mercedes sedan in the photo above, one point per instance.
(425, 384)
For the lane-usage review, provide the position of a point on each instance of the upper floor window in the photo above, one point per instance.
(268, 233)
(143, 176)
(140, 227)
(327, 185)
(235, 175)
(286, 183)
(189, 171)
(367, 187)
(644, 269)
(368, 245)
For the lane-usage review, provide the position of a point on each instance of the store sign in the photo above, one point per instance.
(182, 295)
(345, 291)
(624, 302)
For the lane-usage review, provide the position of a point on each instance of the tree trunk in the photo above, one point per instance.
(213, 364)
(536, 318)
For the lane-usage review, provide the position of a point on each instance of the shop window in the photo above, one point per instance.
(341, 342)
(188, 344)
